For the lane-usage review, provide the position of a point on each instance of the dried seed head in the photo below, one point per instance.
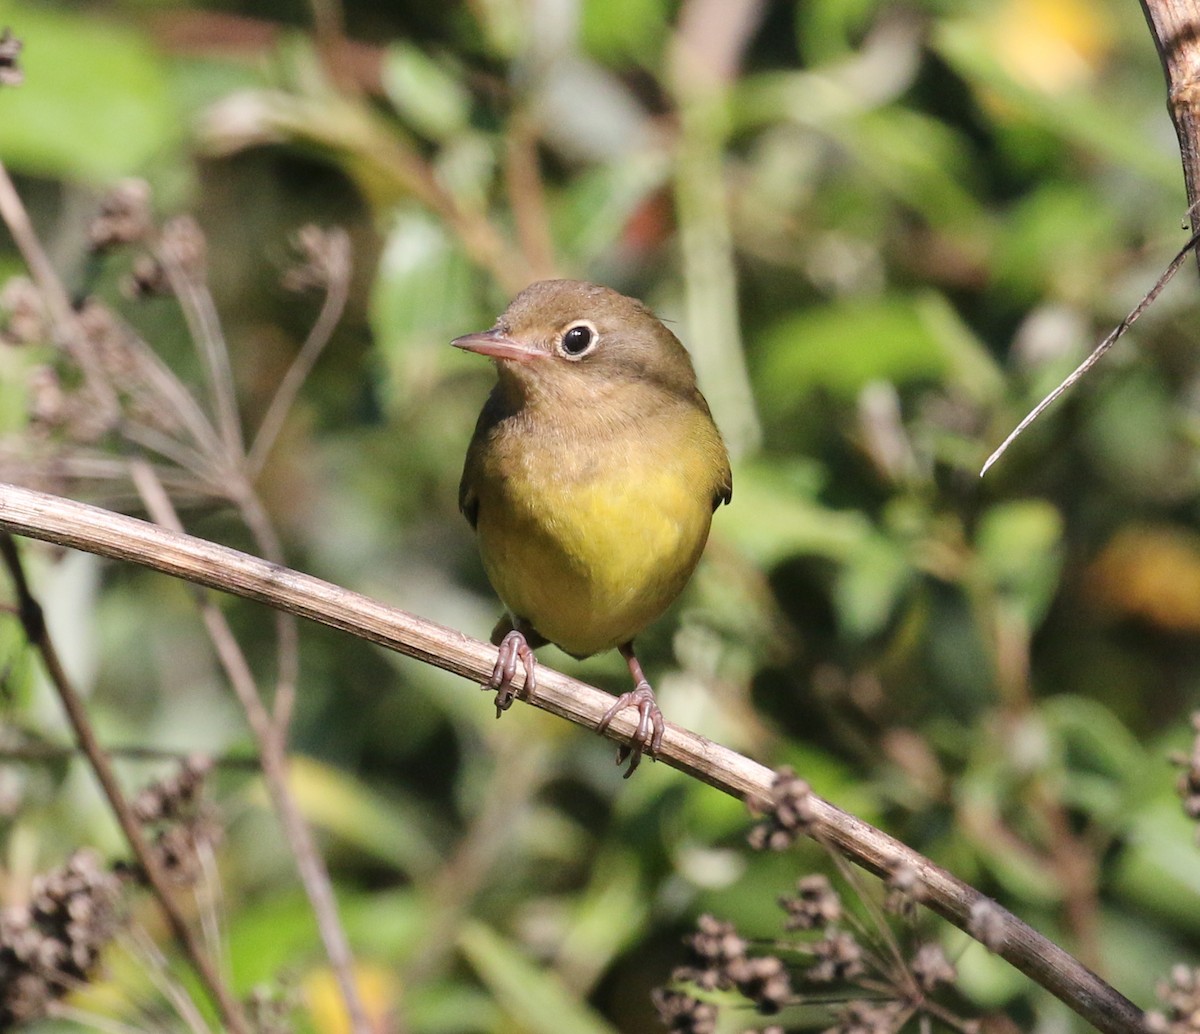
(764, 980)
(174, 795)
(714, 942)
(904, 890)
(89, 414)
(789, 814)
(814, 906)
(146, 279)
(325, 259)
(986, 924)
(189, 829)
(1180, 993)
(930, 967)
(865, 1017)
(47, 401)
(683, 1014)
(124, 216)
(25, 321)
(183, 245)
(53, 943)
(839, 957)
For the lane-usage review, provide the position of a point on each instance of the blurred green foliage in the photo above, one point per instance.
(885, 230)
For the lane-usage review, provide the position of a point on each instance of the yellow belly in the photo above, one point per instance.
(591, 556)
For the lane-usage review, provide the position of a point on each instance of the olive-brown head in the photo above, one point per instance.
(568, 340)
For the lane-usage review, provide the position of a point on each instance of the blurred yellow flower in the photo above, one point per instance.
(1051, 45)
(379, 988)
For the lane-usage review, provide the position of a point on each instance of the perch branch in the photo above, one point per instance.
(68, 523)
(1175, 26)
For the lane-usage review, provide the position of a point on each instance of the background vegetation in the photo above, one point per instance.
(884, 230)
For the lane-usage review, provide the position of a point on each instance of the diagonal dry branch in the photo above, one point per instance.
(94, 530)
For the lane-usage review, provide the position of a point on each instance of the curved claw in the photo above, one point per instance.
(647, 737)
(513, 647)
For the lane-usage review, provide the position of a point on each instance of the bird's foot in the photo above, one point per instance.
(513, 648)
(647, 737)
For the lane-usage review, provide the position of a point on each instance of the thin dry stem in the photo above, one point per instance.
(1098, 352)
(118, 537)
(154, 963)
(332, 308)
(12, 211)
(33, 621)
(38, 753)
(272, 744)
(204, 328)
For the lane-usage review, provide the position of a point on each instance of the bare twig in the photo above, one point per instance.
(1098, 352)
(12, 211)
(38, 753)
(177, 249)
(1175, 26)
(33, 621)
(79, 526)
(336, 293)
(272, 744)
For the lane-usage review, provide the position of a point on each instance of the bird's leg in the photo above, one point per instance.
(647, 738)
(513, 647)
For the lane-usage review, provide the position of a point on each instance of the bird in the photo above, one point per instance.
(591, 481)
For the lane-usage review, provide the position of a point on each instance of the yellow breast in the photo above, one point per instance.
(591, 545)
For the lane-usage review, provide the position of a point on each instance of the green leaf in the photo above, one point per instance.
(868, 588)
(843, 346)
(591, 212)
(397, 831)
(615, 30)
(776, 517)
(533, 997)
(1019, 551)
(1158, 869)
(96, 103)
(424, 287)
(1080, 117)
(433, 100)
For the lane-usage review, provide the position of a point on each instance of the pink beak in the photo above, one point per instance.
(496, 345)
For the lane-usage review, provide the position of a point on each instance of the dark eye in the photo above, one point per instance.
(578, 340)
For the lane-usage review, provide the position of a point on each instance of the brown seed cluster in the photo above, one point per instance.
(986, 924)
(1180, 994)
(124, 217)
(52, 943)
(324, 259)
(870, 958)
(814, 906)
(789, 814)
(867, 1017)
(719, 961)
(186, 828)
(839, 958)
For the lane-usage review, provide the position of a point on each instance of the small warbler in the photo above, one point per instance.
(590, 481)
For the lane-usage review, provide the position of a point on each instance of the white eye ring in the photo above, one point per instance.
(580, 338)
